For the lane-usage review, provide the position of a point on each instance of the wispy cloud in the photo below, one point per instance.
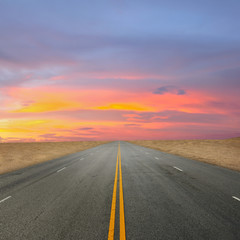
(169, 89)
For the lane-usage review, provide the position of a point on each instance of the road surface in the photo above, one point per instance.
(120, 192)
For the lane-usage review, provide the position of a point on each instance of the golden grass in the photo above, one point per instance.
(14, 156)
(225, 153)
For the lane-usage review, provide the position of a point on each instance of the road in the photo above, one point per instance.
(120, 191)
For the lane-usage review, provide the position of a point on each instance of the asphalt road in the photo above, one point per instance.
(163, 197)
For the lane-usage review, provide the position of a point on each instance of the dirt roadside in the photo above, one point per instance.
(225, 153)
(14, 156)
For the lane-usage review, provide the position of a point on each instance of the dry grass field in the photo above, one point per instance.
(225, 153)
(18, 155)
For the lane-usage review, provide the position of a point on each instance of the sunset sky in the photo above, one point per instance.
(118, 69)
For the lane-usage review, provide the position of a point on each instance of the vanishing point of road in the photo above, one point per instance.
(120, 191)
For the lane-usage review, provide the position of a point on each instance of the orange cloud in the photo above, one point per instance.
(126, 107)
(48, 105)
(43, 99)
(63, 113)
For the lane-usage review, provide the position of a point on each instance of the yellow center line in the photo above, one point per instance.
(122, 234)
(113, 209)
(121, 203)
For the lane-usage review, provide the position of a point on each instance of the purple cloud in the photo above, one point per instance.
(169, 89)
(180, 117)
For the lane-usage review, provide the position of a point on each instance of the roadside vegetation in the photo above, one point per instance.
(225, 153)
(14, 156)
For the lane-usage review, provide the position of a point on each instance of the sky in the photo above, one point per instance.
(73, 70)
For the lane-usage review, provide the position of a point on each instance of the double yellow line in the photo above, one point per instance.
(122, 233)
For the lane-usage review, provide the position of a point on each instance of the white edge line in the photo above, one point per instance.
(178, 169)
(236, 198)
(61, 169)
(156, 158)
(5, 199)
(81, 159)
